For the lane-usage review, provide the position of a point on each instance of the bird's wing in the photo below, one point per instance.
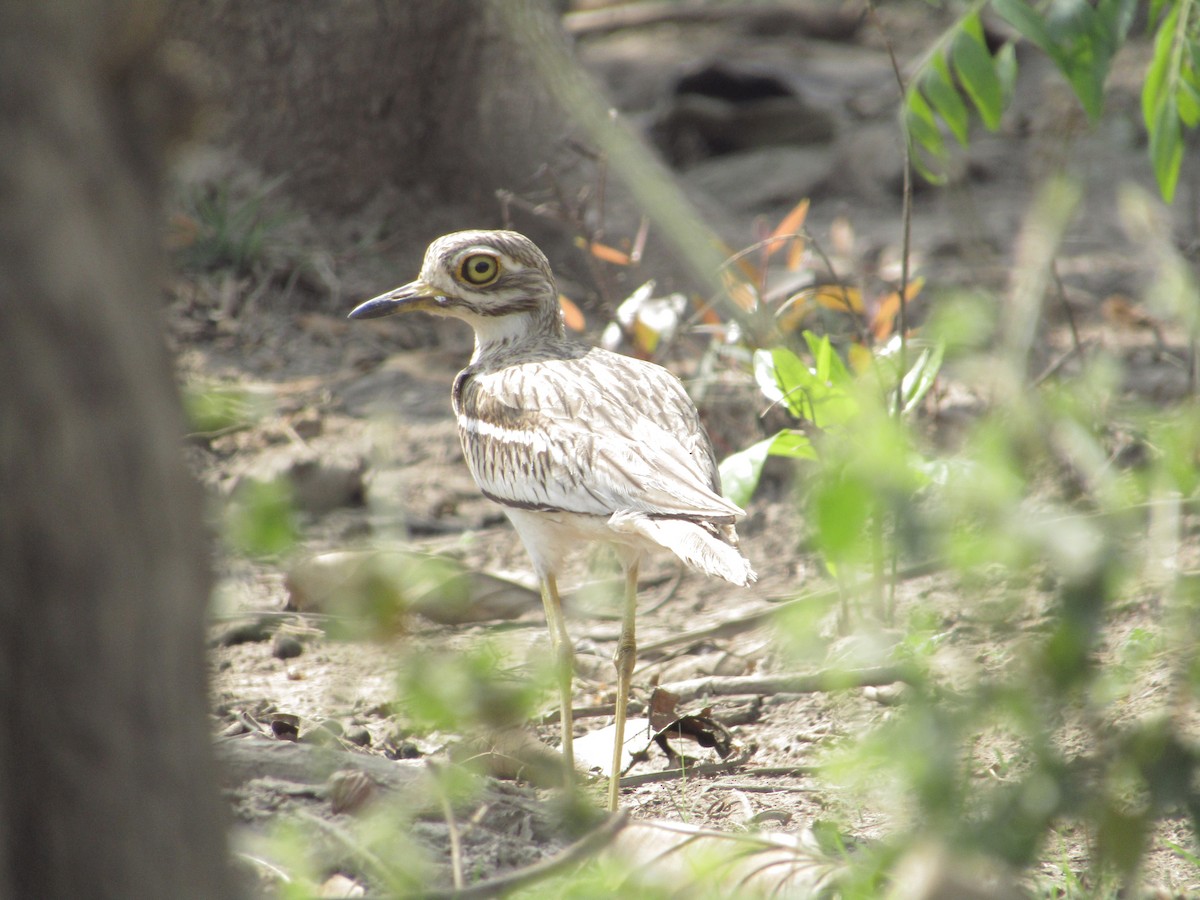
(598, 434)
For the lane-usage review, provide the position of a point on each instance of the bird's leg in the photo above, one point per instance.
(624, 660)
(565, 667)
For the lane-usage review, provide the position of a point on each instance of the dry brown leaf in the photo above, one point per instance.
(839, 298)
(743, 293)
(573, 316)
(1124, 313)
(609, 254)
(663, 709)
(786, 234)
(884, 320)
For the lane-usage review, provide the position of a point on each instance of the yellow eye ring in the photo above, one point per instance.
(479, 269)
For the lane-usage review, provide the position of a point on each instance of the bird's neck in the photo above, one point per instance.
(503, 334)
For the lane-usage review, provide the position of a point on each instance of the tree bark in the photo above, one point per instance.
(429, 98)
(107, 787)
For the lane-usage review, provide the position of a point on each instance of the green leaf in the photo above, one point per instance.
(783, 377)
(1166, 148)
(922, 127)
(839, 509)
(793, 444)
(1026, 20)
(830, 368)
(1006, 71)
(1079, 38)
(1156, 85)
(765, 377)
(261, 519)
(791, 371)
(1171, 96)
(1189, 104)
(977, 71)
(938, 85)
(920, 378)
(741, 471)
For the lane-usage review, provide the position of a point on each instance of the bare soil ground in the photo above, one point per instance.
(358, 414)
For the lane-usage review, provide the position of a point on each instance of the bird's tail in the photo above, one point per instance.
(695, 544)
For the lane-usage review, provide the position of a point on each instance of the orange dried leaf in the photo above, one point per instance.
(609, 254)
(884, 320)
(788, 225)
(572, 316)
(708, 314)
(839, 298)
(793, 311)
(795, 255)
(743, 293)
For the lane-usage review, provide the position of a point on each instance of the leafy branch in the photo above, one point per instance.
(961, 75)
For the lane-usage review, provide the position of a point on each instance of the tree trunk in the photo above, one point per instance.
(429, 98)
(107, 787)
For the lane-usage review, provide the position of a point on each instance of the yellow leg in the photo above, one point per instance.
(624, 660)
(565, 665)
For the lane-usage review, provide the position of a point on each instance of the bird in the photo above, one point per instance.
(578, 445)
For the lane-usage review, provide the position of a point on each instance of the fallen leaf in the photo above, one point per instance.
(884, 320)
(609, 254)
(594, 751)
(663, 712)
(740, 291)
(786, 233)
(573, 316)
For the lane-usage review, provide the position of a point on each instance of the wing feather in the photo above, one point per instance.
(596, 433)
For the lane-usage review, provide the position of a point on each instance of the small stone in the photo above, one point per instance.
(285, 726)
(286, 646)
(358, 734)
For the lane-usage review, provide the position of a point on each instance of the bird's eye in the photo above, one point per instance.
(479, 269)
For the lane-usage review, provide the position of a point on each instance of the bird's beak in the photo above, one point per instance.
(416, 295)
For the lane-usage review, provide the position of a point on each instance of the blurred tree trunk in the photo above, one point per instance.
(107, 786)
(430, 97)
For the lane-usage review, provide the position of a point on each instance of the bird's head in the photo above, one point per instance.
(482, 277)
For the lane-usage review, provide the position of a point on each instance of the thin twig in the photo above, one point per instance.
(1057, 364)
(670, 592)
(789, 683)
(722, 768)
(456, 866)
(1060, 291)
(757, 617)
(764, 788)
(902, 313)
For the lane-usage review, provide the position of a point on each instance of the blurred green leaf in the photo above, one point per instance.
(839, 509)
(261, 518)
(215, 408)
(938, 85)
(740, 472)
(976, 71)
(463, 690)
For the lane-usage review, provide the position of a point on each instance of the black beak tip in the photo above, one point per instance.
(372, 309)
